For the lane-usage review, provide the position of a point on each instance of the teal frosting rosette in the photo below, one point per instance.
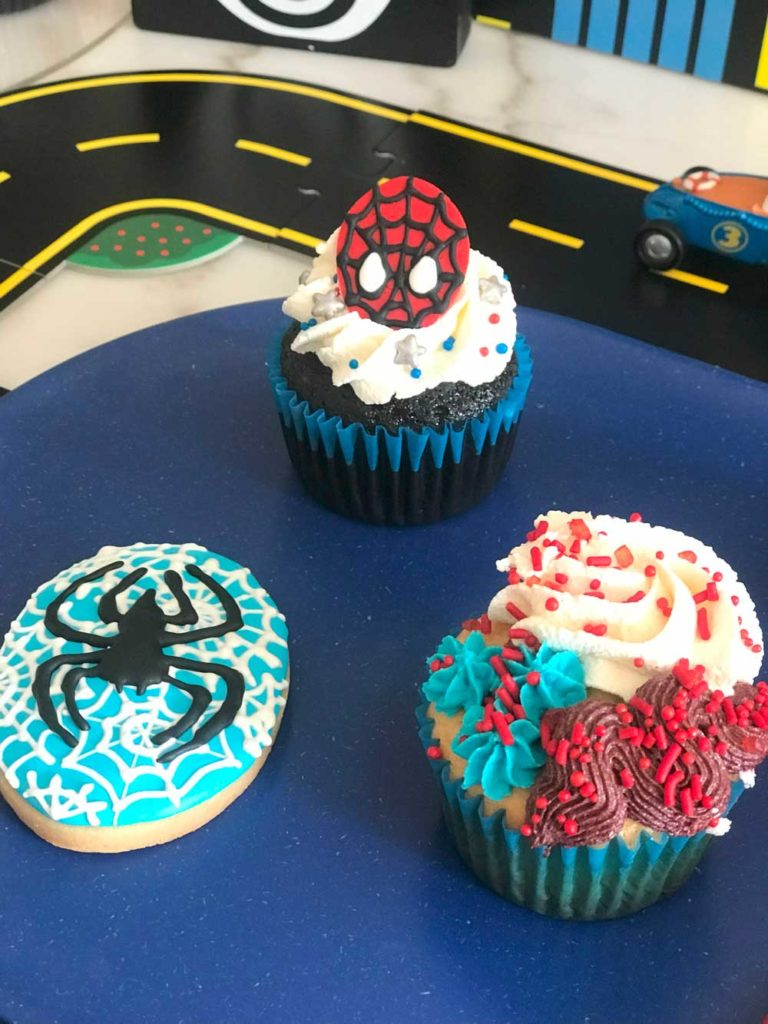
(503, 700)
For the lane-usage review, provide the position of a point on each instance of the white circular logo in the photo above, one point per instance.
(360, 16)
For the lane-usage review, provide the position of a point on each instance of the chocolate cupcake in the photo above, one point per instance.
(401, 379)
(593, 728)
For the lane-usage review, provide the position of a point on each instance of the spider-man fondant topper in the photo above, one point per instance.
(402, 253)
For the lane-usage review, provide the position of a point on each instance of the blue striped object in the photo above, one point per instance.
(676, 34)
(638, 30)
(603, 19)
(567, 21)
(713, 39)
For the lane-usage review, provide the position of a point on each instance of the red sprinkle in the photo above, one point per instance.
(511, 653)
(434, 752)
(623, 556)
(734, 600)
(561, 755)
(561, 578)
(514, 611)
(686, 802)
(637, 596)
(667, 762)
(578, 779)
(435, 665)
(707, 801)
(541, 802)
(564, 796)
(580, 529)
(570, 827)
(670, 787)
(626, 778)
(638, 663)
(598, 560)
(533, 678)
(687, 556)
(551, 604)
(702, 624)
(502, 728)
(642, 705)
(696, 788)
(635, 517)
(536, 559)
(644, 763)
(596, 628)
(650, 570)
(526, 830)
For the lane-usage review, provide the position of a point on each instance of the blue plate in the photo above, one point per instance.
(330, 891)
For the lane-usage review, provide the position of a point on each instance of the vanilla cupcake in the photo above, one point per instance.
(592, 729)
(401, 378)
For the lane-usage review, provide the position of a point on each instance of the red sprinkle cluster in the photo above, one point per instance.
(665, 759)
(506, 693)
(622, 558)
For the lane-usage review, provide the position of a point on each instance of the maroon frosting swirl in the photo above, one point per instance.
(665, 760)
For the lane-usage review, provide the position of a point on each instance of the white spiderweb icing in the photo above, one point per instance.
(112, 776)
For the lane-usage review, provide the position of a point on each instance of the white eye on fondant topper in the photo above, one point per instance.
(338, 27)
(372, 273)
(423, 276)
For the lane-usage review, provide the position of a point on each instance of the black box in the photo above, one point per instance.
(417, 31)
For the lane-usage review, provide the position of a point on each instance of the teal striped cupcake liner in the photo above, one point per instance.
(585, 883)
(402, 477)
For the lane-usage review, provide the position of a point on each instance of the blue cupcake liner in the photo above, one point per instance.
(328, 434)
(579, 882)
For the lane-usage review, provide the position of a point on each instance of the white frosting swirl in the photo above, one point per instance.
(471, 342)
(653, 596)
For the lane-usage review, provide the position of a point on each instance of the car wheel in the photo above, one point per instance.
(659, 245)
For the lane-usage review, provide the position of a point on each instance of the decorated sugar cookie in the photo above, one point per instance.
(140, 692)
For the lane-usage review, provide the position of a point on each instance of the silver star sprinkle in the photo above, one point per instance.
(492, 289)
(326, 305)
(408, 350)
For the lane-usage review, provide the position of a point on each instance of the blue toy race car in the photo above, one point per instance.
(725, 213)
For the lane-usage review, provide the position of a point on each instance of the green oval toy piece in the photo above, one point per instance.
(153, 241)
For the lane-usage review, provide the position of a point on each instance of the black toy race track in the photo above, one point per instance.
(281, 161)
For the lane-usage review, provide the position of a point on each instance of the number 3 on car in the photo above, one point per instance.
(726, 213)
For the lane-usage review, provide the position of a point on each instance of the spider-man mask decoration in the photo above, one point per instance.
(402, 253)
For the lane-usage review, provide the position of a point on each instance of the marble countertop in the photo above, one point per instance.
(638, 117)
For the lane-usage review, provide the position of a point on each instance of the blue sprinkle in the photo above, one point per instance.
(506, 277)
(501, 348)
(353, 364)
(415, 372)
(448, 344)
(308, 324)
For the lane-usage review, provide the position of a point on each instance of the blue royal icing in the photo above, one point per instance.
(113, 775)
